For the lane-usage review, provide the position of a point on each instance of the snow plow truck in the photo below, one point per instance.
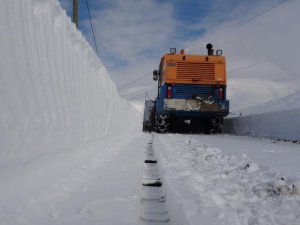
(191, 93)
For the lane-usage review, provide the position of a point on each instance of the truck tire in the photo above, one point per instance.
(213, 125)
(162, 123)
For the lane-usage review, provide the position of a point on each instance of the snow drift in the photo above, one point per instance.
(54, 91)
(283, 125)
(275, 119)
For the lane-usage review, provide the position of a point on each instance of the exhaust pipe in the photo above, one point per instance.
(210, 50)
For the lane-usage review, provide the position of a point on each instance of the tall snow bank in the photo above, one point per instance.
(54, 91)
(276, 125)
(275, 119)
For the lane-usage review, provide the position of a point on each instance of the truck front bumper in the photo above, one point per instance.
(195, 107)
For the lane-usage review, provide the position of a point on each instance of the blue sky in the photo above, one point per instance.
(132, 30)
(133, 34)
(183, 12)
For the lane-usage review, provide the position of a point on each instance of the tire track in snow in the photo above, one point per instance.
(153, 208)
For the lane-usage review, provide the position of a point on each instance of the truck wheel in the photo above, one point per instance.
(207, 126)
(162, 123)
(213, 126)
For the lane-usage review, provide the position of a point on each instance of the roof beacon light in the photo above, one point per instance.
(172, 51)
(219, 52)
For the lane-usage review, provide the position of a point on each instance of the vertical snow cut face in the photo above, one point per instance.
(54, 91)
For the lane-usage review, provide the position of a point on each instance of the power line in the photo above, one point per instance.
(136, 93)
(139, 92)
(262, 13)
(233, 71)
(88, 8)
(249, 20)
(254, 17)
(245, 67)
(141, 78)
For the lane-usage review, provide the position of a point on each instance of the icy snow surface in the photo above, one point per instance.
(93, 183)
(207, 184)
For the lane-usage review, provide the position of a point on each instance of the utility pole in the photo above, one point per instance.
(75, 12)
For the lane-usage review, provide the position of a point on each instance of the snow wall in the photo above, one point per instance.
(284, 125)
(54, 91)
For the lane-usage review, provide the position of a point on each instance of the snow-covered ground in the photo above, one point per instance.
(212, 180)
(218, 179)
(94, 183)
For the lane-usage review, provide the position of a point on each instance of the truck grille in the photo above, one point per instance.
(195, 71)
(194, 89)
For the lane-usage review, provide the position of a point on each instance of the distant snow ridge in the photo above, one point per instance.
(54, 91)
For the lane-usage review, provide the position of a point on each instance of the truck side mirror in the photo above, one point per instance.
(155, 75)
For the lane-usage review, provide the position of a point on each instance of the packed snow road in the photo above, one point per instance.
(221, 179)
(95, 183)
(205, 179)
